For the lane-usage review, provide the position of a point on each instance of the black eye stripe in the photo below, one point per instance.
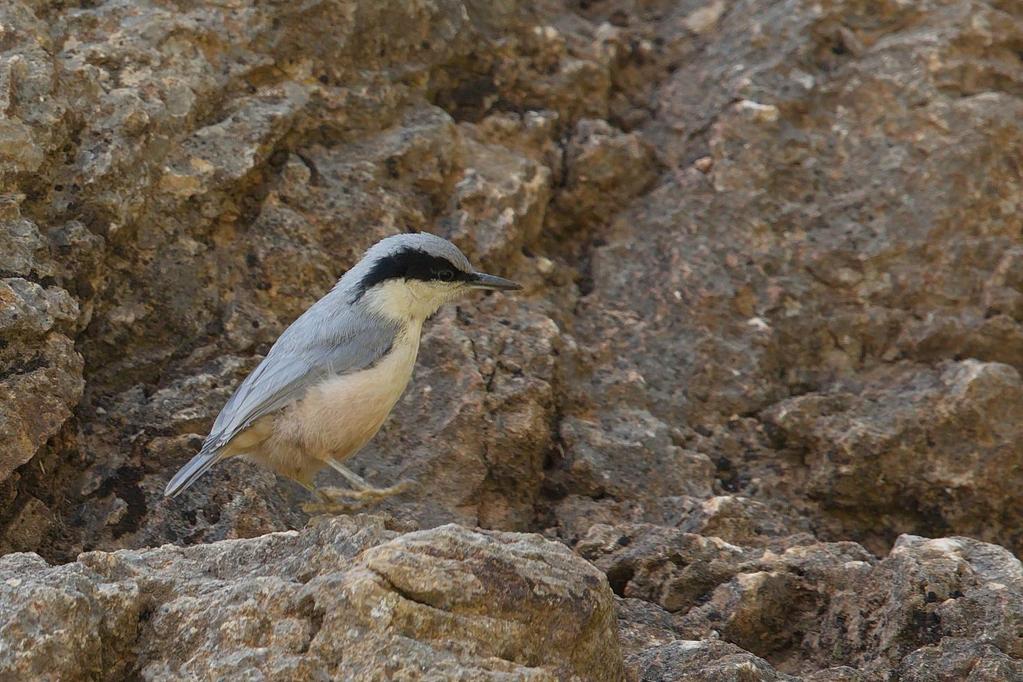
(412, 264)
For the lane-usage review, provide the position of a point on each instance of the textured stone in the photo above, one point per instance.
(891, 454)
(966, 660)
(673, 569)
(631, 455)
(706, 661)
(40, 372)
(604, 169)
(343, 598)
(772, 306)
(928, 593)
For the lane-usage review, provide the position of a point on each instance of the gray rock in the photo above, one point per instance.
(344, 599)
(673, 569)
(960, 659)
(949, 593)
(773, 305)
(40, 372)
(702, 661)
(894, 446)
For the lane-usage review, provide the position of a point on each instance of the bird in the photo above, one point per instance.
(333, 376)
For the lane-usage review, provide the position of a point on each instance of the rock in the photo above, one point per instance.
(706, 661)
(18, 151)
(30, 310)
(23, 251)
(841, 673)
(705, 18)
(937, 598)
(498, 205)
(532, 134)
(628, 455)
(672, 569)
(344, 597)
(37, 398)
(771, 606)
(827, 609)
(40, 372)
(604, 169)
(642, 625)
(895, 446)
(960, 659)
(739, 520)
(772, 310)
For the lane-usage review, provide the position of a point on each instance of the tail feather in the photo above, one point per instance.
(195, 468)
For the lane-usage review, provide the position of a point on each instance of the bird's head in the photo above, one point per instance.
(410, 276)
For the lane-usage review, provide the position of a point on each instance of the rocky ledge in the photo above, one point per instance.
(343, 599)
(347, 598)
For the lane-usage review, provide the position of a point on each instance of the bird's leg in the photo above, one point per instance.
(363, 490)
(340, 500)
(313, 490)
(329, 505)
(336, 500)
(355, 479)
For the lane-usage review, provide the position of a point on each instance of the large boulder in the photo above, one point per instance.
(343, 599)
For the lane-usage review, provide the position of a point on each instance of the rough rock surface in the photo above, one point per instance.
(771, 336)
(346, 599)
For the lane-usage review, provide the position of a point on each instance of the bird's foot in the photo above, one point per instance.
(341, 500)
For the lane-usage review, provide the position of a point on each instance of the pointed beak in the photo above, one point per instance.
(482, 280)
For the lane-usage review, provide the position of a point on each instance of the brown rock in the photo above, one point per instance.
(706, 661)
(929, 593)
(773, 298)
(604, 169)
(891, 454)
(673, 569)
(40, 372)
(498, 205)
(343, 598)
(642, 625)
(960, 659)
(629, 455)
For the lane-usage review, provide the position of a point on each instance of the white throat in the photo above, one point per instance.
(408, 301)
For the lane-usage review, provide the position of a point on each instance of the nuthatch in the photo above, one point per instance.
(330, 380)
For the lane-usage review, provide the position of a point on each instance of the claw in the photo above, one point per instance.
(341, 500)
(374, 494)
(313, 508)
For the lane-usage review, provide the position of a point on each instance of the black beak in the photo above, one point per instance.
(482, 280)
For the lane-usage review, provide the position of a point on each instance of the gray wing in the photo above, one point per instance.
(304, 355)
(320, 343)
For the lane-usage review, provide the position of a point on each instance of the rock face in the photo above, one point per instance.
(770, 340)
(346, 599)
(898, 447)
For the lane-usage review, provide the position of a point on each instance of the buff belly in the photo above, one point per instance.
(334, 420)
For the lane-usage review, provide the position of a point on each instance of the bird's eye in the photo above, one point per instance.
(445, 275)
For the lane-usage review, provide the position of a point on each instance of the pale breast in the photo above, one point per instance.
(341, 414)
